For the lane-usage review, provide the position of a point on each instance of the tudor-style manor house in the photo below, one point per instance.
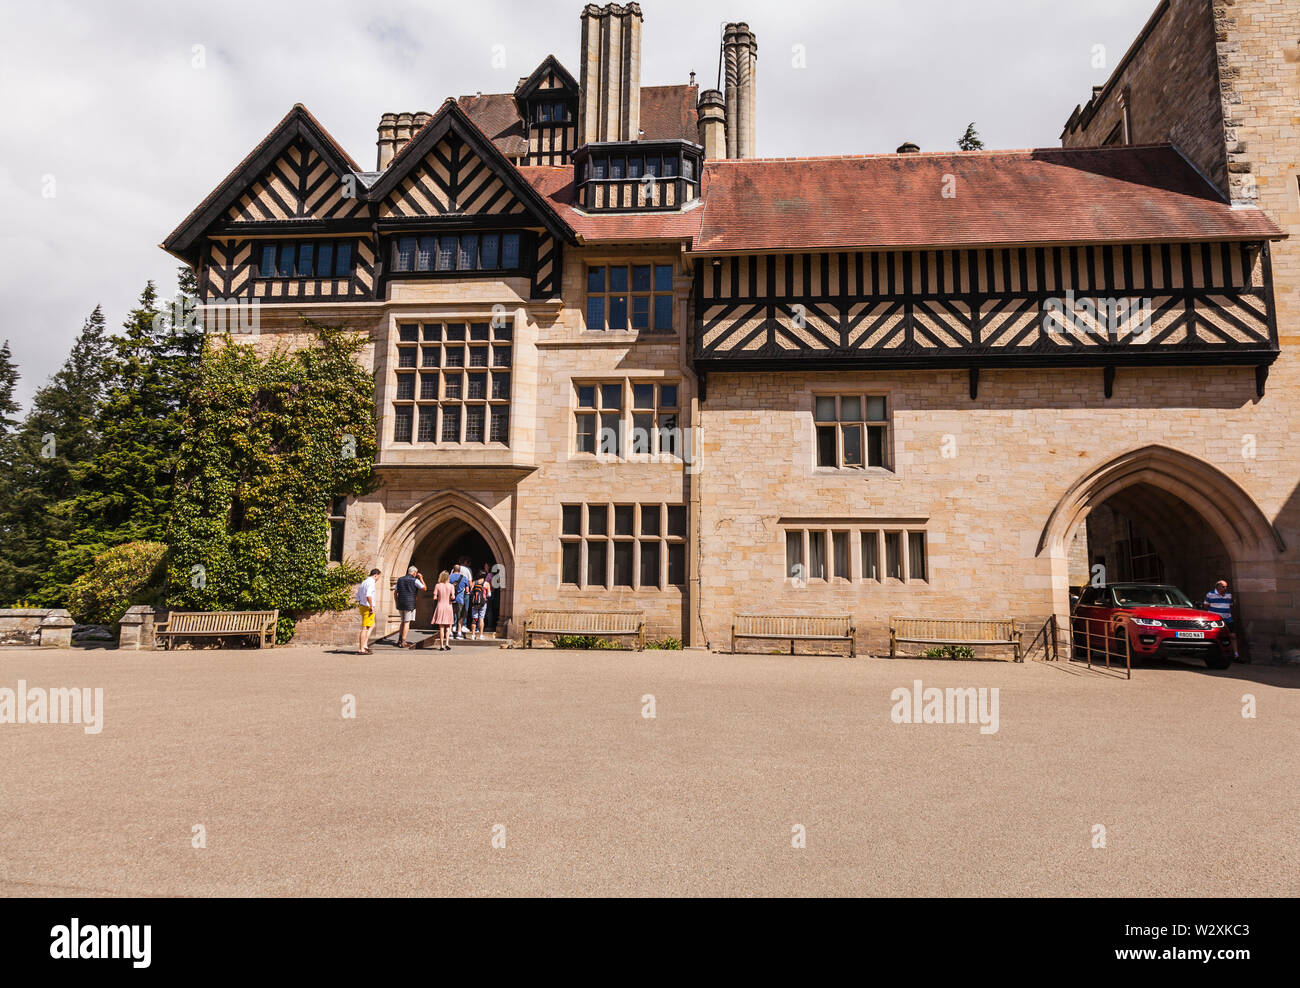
(633, 364)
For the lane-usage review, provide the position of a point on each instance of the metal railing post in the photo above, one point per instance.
(1087, 640)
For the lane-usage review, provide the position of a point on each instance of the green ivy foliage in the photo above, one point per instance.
(123, 576)
(269, 443)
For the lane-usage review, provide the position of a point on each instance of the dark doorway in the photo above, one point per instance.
(440, 550)
(1144, 534)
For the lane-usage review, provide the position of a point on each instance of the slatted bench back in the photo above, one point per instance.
(586, 622)
(793, 625)
(953, 631)
(220, 622)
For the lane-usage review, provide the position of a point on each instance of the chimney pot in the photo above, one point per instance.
(610, 76)
(712, 116)
(740, 57)
(387, 139)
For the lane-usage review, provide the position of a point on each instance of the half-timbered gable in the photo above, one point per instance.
(548, 106)
(450, 179)
(450, 168)
(451, 204)
(288, 222)
(300, 184)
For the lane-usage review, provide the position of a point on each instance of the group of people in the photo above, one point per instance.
(460, 604)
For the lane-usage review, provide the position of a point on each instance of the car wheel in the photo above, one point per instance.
(1219, 661)
(1118, 646)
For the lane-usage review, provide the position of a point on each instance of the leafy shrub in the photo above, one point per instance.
(584, 641)
(951, 652)
(121, 577)
(270, 442)
(668, 642)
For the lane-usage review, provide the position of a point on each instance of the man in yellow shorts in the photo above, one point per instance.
(366, 605)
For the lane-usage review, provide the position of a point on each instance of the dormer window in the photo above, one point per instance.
(553, 113)
(637, 175)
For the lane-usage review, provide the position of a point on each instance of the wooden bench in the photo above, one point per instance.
(553, 622)
(794, 627)
(209, 624)
(924, 631)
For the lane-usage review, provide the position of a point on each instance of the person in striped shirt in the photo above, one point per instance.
(1219, 600)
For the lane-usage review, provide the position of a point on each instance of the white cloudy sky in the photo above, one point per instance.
(104, 97)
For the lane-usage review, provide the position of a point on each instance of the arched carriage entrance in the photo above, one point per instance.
(437, 533)
(1158, 515)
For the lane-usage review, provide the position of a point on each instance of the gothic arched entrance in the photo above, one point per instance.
(436, 534)
(1158, 515)
(451, 543)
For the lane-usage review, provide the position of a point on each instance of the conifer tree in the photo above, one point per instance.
(970, 141)
(9, 406)
(50, 451)
(125, 493)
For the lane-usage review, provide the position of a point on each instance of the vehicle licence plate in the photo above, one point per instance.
(1189, 634)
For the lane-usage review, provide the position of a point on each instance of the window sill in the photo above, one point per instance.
(607, 459)
(593, 588)
(856, 471)
(630, 334)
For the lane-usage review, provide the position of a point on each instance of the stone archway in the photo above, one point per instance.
(450, 513)
(1174, 495)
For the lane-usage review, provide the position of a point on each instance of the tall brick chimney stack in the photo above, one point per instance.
(387, 139)
(611, 73)
(396, 131)
(740, 61)
(403, 130)
(713, 124)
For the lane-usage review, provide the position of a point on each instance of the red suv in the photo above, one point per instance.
(1159, 620)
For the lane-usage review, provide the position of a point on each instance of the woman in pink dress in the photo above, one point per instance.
(443, 594)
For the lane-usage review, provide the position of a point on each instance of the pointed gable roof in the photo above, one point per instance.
(550, 66)
(497, 115)
(298, 138)
(451, 119)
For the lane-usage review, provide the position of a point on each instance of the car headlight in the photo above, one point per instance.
(1215, 624)
(1148, 623)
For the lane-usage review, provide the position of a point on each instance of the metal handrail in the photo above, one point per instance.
(1102, 630)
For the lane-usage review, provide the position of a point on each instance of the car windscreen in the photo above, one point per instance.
(1151, 597)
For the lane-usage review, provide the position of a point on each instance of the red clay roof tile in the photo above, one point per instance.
(1045, 196)
(497, 115)
(669, 113)
(1052, 195)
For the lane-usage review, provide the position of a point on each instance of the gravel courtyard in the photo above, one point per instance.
(594, 798)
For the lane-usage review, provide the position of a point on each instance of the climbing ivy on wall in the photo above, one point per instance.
(269, 443)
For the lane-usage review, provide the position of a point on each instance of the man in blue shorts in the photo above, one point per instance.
(1219, 600)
